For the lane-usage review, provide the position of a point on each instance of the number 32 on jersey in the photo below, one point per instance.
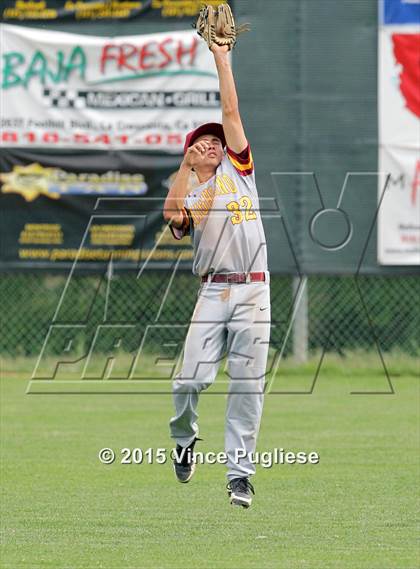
(241, 210)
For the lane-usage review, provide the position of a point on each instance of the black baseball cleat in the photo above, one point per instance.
(239, 490)
(184, 464)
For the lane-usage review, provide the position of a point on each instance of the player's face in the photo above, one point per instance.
(214, 154)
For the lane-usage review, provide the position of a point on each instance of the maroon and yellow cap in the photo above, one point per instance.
(208, 128)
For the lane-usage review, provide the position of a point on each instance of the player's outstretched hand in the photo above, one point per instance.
(196, 154)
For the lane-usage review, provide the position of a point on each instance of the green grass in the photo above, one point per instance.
(61, 508)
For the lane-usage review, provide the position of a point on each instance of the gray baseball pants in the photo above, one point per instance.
(232, 320)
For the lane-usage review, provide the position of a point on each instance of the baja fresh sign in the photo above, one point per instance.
(72, 91)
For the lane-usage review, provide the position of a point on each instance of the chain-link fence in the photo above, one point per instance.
(334, 313)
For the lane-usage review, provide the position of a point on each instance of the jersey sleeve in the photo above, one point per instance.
(242, 162)
(185, 229)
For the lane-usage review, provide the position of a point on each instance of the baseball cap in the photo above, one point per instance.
(208, 128)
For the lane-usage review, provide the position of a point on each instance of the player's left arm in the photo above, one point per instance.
(231, 118)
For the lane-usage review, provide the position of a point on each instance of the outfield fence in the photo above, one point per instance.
(337, 314)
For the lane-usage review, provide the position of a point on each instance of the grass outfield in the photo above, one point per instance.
(356, 509)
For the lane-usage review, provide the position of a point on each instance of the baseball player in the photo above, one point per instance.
(232, 313)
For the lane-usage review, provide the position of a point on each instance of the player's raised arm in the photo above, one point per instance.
(174, 203)
(173, 208)
(232, 124)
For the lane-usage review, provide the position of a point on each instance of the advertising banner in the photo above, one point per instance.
(145, 92)
(399, 132)
(56, 210)
(82, 10)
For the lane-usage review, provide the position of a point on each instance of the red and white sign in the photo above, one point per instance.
(399, 144)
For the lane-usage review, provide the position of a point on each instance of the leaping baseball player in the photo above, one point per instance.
(232, 313)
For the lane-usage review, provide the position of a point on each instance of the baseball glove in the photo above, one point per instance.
(218, 26)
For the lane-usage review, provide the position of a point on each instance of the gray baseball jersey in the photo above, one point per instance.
(223, 218)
